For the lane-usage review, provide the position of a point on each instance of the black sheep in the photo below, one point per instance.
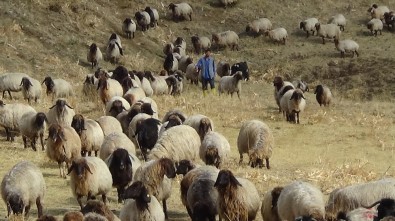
(243, 67)
(147, 133)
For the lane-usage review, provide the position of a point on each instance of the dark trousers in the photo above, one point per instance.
(205, 82)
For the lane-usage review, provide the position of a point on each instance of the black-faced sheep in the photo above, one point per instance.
(94, 55)
(33, 126)
(113, 51)
(174, 83)
(10, 115)
(308, 26)
(375, 25)
(147, 132)
(202, 200)
(90, 133)
(154, 15)
(109, 125)
(292, 104)
(113, 141)
(231, 84)
(120, 73)
(243, 67)
(378, 11)
(145, 84)
(59, 88)
(280, 88)
(181, 11)
(60, 113)
(98, 207)
(89, 176)
(323, 95)
(31, 89)
(226, 3)
(226, 39)
(359, 214)
(223, 69)
(215, 149)
(338, 20)
(158, 83)
(109, 88)
(116, 105)
(171, 63)
(184, 62)
(129, 27)
(200, 43)
(302, 85)
(143, 19)
(259, 26)
(347, 46)
(386, 207)
(278, 35)
(328, 31)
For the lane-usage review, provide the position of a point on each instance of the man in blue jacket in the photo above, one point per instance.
(206, 65)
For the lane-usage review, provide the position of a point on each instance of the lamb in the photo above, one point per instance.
(158, 83)
(109, 88)
(301, 199)
(347, 46)
(116, 105)
(375, 25)
(292, 103)
(109, 125)
(21, 187)
(280, 88)
(154, 16)
(238, 198)
(338, 20)
(143, 207)
(192, 74)
(323, 95)
(143, 20)
(10, 115)
(378, 11)
(11, 82)
(226, 39)
(215, 149)
(200, 43)
(256, 139)
(302, 85)
(89, 176)
(278, 35)
(94, 55)
(201, 123)
(328, 31)
(171, 63)
(113, 141)
(113, 51)
(147, 132)
(202, 199)
(308, 26)
(90, 133)
(181, 11)
(32, 126)
(269, 204)
(61, 113)
(259, 26)
(359, 214)
(231, 84)
(60, 88)
(225, 3)
(99, 208)
(351, 197)
(156, 175)
(31, 89)
(129, 27)
(63, 146)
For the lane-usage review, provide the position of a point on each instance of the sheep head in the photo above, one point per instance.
(302, 25)
(225, 180)
(93, 48)
(140, 193)
(78, 123)
(2, 103)
(127, 21)
(97, 206)
(73, 216)
(386, 207)
(255, 159)
(127, 83)
(15, 203)
(178, 41)
(117, 107)
(147, 109)
(120, 159)
(317, 26)
(173, 120)
(61, 106)
(100, 73)
(278, 82)
(40, 119)
(172, 7)
(275, 195)
(184, 166)
(204, 127)
(25, 83)
(319, 90)
(307, 218)
(238, 76)
(297, 95)
(214, 37)
(80, 168)
(102, 84)
(56, 132)
(195, 40)
(212, 156)
(50, 84)
(113, 37)
(163, 73)
(167, 167)
(88, 80)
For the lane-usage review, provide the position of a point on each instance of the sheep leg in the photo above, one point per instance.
(8, 210)
(7, 132)
(342, 54)
(79, 200)
(297, 115)
(238, 95)
(96, 153)
(27, 209)
(267, 163)
(356, 52)
(241, 158)
(9, 93)
(24, 142)
(42, 141)
(120, 191)
(323, 40)
(381, 32)
(104, 198)
(33, 144)
(165, 209)
(89, 153)
(307, 34)
(39, 207)
(190, 17)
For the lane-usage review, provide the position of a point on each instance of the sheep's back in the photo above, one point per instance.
(109, 125)
(11, 81)
(11, 114)
(114, 141)
(194, 121)
(254, 134)
(217, 140)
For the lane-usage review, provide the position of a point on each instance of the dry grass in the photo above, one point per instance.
(352, 141)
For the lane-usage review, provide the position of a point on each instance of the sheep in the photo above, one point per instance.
(172, 118)
(116, 105)
(10, 115)
(226, 39)
(259, 26)
(323, 95)
(225, 3)
(351, 197)
(269, 204)
(11, 82)
(61, 113)
(154, 16)
(147, 132)
(63, 146)
(243, 67)
(280, 87)
(181, 11)
(328, 31)
(375, 25)
(378, 11)
(308, 26)
(202, 199)
(201, 123)
(338, 20)
(293, 103)
(73, 216)
(94, 55)
(179, 50)
(134, 94)
(278, 35)
(238, 198)
(215, 149)
(156, 175)
(90, 133)
(113, 141)
(389, 20)
(143, 207)
(117, 39)
(180, 42)
(143, 19)
(32, 126)
(184, 62)
(109, 125)
(158, 83)
(301, 199)
(302, 85)
(138, 108)
(223, 69)
(171, 63)
(385, 208)
(231, 84)
(60, 88)
(256, 139)
(123, 165)
(176, 112)
(192, 74)
(31, 89)
(98, 207)
(145, 84)
(200, 43)
(109, 88)
(118, 74)
(129, 27)
(89, 176)
(168, 48)
(347, 46)
(113, 51)
(185, 166)
(359, 214)
(89, 86)
(22, 186)
(174, 83)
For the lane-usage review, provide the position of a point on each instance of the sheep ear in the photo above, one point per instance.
(52, 106)
(69, 106)
(87, 168)
(109, 160)
(134, 190)
(61, 135)
(21, 83)
(303, 97)
(71, 168)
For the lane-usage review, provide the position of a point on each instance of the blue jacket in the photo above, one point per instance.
(207, 67)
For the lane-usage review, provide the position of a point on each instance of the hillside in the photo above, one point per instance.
(351, 141)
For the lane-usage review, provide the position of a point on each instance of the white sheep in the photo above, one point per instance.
(328, 31)
(60, 113)
(301, 199)
(278, 35)
(200, 43)
(231, 84)
(10, 115)
(21, 187)
(154, 16)
(378, 11)
(201, 123)
(323, 95)
(280, 87)
(60, 88)
(143, 19)
(109, 88)
(63, 146)
(11, 82)
(308, 26)
(31, 89)
(113, 141)
(215, 149)
(129, 27)
(292, 104)
(117, 40)
(375, 25)
(109, 125)
(225, 3)
(94, 55)
(90, 133)
(192, 74)
(89, 176)
(256, 139)
(259, 26)
(116, 105)
(113, 51)
(158, 83)
(347, 45)
(338, 20)
(32, 126)
(226, 39)
(146, 86)
(181, 11)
